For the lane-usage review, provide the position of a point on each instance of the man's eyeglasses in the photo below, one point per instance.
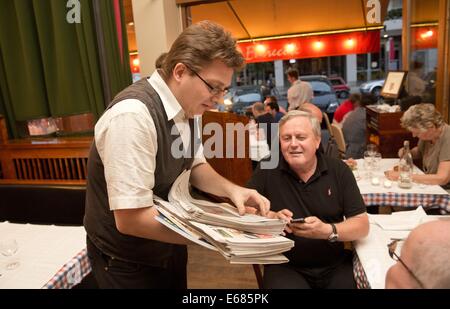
(391, 249)
(213, 90)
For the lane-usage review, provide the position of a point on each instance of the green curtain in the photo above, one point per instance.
(118, 60)
(50, 67)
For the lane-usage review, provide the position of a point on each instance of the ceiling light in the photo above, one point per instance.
(289, 48)
(260, 48)
(350, 43)
(318, 45)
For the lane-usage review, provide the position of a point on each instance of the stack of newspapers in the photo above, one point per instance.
(247, 239)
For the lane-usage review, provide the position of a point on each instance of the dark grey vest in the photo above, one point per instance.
(99, 220)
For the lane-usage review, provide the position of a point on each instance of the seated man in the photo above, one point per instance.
(354, 128)
(345, 108)
(423, 262)
(273, 109)
(273, 99)
(323, 191)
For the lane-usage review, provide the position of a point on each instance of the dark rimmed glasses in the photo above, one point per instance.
(213, 90)
(391, 249)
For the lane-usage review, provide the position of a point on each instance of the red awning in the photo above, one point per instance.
(360, 42)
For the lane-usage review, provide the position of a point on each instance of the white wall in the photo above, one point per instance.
(279, 73)
(157, 24)
(351, 77)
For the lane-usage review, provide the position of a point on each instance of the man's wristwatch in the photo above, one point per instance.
(334, 235)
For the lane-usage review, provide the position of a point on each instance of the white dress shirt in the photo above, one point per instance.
(126, 141)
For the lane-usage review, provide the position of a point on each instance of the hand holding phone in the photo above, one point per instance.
(298, 220)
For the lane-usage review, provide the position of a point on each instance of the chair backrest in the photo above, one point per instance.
(339, 136)
(42, 204)
(327, 122)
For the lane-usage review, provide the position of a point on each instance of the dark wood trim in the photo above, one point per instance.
(43, 182)
(184, 17)
(196, 2)
(406, 34)
(443, 71)
(3, 130)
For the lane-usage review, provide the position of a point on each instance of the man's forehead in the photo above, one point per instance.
(297, 123)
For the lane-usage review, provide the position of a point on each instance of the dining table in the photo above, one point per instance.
(48, 256)
(377, 190)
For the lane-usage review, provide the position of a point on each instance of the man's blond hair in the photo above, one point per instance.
(304, 114)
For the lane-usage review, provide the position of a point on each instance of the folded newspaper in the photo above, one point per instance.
(247, 239)
(222, 214)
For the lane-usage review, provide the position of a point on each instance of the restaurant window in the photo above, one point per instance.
(80, 124)
(422, 62)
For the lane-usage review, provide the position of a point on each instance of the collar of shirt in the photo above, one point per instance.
(170, 103)
(322, 167)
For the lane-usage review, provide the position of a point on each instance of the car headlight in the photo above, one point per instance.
(227, 102)
(332, 107)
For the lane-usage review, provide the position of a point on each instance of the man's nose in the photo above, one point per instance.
(294, 142)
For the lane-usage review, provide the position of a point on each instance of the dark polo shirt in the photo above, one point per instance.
(330, 194)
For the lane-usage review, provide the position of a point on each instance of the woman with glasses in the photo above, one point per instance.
(426, 123)
(423, 261)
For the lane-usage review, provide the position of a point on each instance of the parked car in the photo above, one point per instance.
(374, 87)
(340, 87)
(324, 94)
(239, 98)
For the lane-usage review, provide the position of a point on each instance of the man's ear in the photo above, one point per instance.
(178, 71)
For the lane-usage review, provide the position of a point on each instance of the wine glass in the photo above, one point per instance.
(368, 163)
(8, 248)
(372, 149)
(376, 160)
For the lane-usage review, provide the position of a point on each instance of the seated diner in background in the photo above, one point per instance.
(426, 123)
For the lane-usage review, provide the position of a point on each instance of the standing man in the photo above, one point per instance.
(137, 154)
(300, 92)
(323, 191)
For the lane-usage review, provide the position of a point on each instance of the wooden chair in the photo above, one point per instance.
(327, 122)
(339, 136)
(257, 268)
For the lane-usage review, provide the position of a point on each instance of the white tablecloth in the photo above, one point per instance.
(366, 187)
(373, 252)
(43, 251)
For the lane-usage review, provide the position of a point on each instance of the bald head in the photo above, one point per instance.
(258, 109)
(427, 252)
(430, 243)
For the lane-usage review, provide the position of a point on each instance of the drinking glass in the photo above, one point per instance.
(368, 163)
(376, 160)
(8, 248)
(372, 149)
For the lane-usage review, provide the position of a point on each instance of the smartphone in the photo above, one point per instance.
(298, 220)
